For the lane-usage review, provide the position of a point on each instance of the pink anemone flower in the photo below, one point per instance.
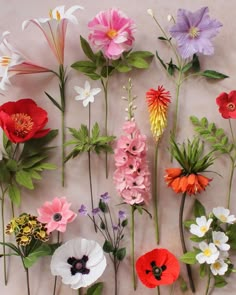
(56, 214)
(12, 63)
(112, 32)
(54, 28)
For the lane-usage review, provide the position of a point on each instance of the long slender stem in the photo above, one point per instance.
(155, 193)
(80, 291)
(55, 279)
(3, 237)
(189, 271)
(158, 290)
(178, 84)
(115, 275)
(105, 89)
(208, 282)
(132, 247)
(230, 184)
(27, 280)
(232, 133)
(91, 187)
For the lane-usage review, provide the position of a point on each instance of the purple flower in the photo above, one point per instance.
(115, 227)
(83, 210)
(95, 211)
(193, 32)
(122, 214)
(105, 197)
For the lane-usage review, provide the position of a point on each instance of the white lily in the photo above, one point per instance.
(54, 28)
(86, 94)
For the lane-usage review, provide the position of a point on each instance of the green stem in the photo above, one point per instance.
(27, 280)
(232, 134)
(158, 290)
(55, 279)
(230, 184)
(80, 291)
(176, 105)
(189, 271)
(3, 235)
(155, 193)
(105, 89)
(115, 274)
(132, 247)
(12, 210)
(208, 282)
(91, 188)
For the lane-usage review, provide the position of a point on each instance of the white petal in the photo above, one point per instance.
(86, 102)
(87, 86)
(95, 91)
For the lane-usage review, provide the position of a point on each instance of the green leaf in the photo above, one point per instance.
(102, 225)
(183, 285)
(231, 233)
(84, 66)
(13, 247)
(43, 250)
(93, 76)
(107, 71)
(87, 49)
(189, 258)
(137, 62)
(7, 144)
(202, 270)
(163, 39)
(142, 54)
(5, 175)
(220, 282)
(161, 61)
(124, 223)
(195, 63)
(188, 223)
(31, 161)
(123, 68)
(24, 178)
(197, 239)
(120, 254)
(107, 247)
(54, 101)
(45, 166)
(95, 131)
(102, 206)
(213, 75)
(171, 68)
(95, 289)
(11, 165)
(198, 209)
(14, 194)
(187, 67)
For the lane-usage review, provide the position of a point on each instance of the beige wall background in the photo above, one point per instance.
(197, 98)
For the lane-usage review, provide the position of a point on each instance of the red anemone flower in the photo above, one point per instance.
(157, 267)
(227, 104)
(23, 120)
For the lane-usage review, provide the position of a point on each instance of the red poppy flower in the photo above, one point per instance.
(227, 104)
(157, 267)
(23, 120)
(191, 184)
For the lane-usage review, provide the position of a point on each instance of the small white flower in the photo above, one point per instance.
(86, 94)
(150, 12)
(201, 227)
(220, 239)
(219, 267)
(169, 17)
(79, 262)
(209, 253)
(223, 215)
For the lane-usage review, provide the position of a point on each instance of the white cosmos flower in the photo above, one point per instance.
(201, 227)
(209, 253)
(220, 239)
(223, 215)
(86, 94)
(79, 262)
(219, 267)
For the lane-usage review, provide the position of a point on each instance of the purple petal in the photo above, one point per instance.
(122, 214)
(95, 211)
(83, 210)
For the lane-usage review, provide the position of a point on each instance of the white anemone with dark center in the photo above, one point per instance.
(79, 262)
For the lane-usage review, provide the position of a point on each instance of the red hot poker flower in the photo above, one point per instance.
(227, 104)
(157, 267)
(23, 120)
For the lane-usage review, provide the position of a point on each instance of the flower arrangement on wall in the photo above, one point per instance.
(207, 239)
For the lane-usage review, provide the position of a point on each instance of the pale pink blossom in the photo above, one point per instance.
(112, 32)
(132, 196)
(129, 127)
(54, 28)
(56, 214)
(121, 157)
(137, 146)
(124, 143)
(13, 62)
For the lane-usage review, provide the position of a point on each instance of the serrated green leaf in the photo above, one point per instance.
(204, 122)
(198, 209)
(189, 258)
(24, 178)
(95, 289)
(84, 66)
(220, 132)
(224, 140)
(14, 194)
(194, 120)
(87, 49)
(120, 254)
(95, 131)
(213, 74)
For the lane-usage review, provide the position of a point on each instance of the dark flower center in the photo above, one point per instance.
(57, 217)
(23, 124)
(78, 265)
(231, 106)
(156, 270)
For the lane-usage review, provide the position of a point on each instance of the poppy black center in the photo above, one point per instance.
(78, 265)
(57, 217)
(156, 270)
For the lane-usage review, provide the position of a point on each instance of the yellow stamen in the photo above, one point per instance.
(23, 124)
(58, 15)
(50, 14)
(207, 252)
(203, 229)
(223, 218)
(194, 32)
(217, 265)
(112, 33)
(5, 61)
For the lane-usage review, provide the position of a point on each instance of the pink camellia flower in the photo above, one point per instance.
(12, 63)
(227, 104)
(132, 176)
(112, 32)
(54, 28)
(56, 214)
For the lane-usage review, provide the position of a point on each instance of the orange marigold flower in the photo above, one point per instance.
(158, 100)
